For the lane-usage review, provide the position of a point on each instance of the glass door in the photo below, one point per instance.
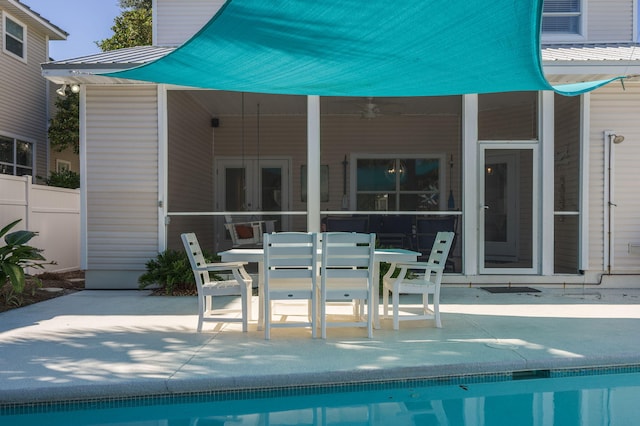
(508, 214)
(252, 185)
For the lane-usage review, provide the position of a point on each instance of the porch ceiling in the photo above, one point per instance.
(221, 103)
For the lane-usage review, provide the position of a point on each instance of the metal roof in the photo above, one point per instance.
(114, 59)
(562, 63)
(591, 52)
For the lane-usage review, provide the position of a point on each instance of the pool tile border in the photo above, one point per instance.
(19, 408)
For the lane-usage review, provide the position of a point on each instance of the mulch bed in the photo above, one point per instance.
(61, 283)
(180, 290)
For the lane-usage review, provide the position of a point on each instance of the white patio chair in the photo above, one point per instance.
(427, 282)
(290, 271)
(346, 275)
(207, 289)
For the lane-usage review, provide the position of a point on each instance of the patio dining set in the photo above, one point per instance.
(322, 269)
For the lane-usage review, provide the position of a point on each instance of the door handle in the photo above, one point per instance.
(485, 207)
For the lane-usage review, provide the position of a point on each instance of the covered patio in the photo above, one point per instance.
(391, 131)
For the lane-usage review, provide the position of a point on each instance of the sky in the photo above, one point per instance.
(86, 21)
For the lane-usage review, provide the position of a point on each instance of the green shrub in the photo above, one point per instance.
(63, 179)
(16, 256)
(170, 271)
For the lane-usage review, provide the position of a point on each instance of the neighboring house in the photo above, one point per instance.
(66, 159)
(158, 160)
(25, 95)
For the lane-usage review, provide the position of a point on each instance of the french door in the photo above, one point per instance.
(509, 213)
(252, 185)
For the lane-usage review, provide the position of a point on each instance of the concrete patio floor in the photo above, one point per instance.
(94, 344)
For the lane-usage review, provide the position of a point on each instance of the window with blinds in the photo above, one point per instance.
(562, 17)
(14, 38)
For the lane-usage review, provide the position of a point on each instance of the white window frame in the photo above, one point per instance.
(5, 34)
(14, 161)
(557, 37)
(441, 157)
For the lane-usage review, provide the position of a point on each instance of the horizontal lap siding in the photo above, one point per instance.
(615, 108)
(567, 182)
(609, 20)
(280, 137)
(23, 97)
(285, 137)
(177, 21)
(190, 163)
(122, 174)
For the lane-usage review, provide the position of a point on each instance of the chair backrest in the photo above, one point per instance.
(347, 224)
(290, 255)
(441, 247)
(347, 255)
(196, 258)
(428, 227)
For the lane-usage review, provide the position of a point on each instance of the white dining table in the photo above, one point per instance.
(256, 255)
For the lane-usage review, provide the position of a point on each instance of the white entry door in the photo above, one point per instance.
(509, 214)
(252, 185)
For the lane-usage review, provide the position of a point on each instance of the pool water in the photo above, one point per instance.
(610, 399)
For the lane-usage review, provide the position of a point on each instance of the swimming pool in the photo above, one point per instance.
(541, 397)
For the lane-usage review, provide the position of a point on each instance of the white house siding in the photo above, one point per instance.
(609, 20)
(121, 183)
(190, 163)
(23, 96)
(566, 182)
(615, 108)
(280, 137)
(285, 137)
(176, 21)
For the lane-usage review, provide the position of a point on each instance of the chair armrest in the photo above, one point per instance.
(222, 266)
(420, 265)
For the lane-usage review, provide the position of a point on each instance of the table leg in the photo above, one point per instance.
(375, 299)
(260, 295)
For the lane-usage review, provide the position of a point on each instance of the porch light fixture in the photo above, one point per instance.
(616, 138)
(62, 90)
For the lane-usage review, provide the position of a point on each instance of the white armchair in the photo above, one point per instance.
(207, 289)
(428, 276)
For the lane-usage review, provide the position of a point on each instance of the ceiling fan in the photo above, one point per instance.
(369, 110)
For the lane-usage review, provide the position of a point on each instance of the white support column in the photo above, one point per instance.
(313, 163)
(163, 168)
(471, 186)
(547, 207)
(82, 123)
(585, 147)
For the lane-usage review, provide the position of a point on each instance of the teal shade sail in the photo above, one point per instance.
(363, 48)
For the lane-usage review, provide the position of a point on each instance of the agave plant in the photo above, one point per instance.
(16, 256)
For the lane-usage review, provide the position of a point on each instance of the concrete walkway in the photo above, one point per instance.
(119, 343)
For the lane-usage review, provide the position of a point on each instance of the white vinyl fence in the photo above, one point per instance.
(52, 212)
